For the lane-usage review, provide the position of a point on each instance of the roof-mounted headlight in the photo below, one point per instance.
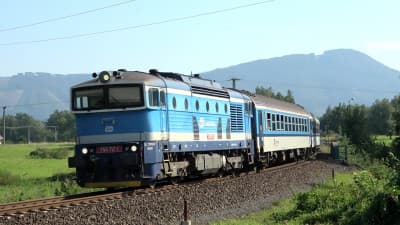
(104, 77)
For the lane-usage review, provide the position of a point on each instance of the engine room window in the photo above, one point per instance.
(153, 97)
(216, 107)
(186, 104)
(89, 99)
(174, 102)
(207, 106)
(197, 105)
(226, 108)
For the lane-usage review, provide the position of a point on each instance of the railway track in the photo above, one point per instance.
(56, 203)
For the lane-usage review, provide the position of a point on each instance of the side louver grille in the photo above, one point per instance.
(209, 92)
(236, 118)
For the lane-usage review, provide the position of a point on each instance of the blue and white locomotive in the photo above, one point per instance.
(135, 128)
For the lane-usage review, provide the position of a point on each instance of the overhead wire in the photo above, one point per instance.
(64, 17)
(176, 19)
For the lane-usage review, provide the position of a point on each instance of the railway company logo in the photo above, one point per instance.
(108, 124)
(109, 129)
(204, 123)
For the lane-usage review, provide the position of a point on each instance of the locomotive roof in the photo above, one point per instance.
(126, 77)
(276, 104)
(173, 80)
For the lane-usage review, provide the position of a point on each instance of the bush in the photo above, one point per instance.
(366, 200)
(7, 178)
(67, 182)
(45, 153)
(62, 177)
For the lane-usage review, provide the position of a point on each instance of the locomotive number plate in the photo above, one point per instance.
(109, 149)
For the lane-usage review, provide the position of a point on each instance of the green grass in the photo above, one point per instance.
(24, 177)
(384, 139)
(276, 215)
(15, 159)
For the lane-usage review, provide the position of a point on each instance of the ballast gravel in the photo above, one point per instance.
(228, 197)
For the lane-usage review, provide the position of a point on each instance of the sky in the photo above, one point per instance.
(195, 44)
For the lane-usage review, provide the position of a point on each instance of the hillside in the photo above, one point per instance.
(316, 81)
(37, 94)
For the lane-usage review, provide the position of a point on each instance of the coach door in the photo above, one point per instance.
(261, 131)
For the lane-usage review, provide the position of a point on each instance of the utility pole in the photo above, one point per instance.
(4, 124)
(29, 135)
(55, 132)
(234, 82)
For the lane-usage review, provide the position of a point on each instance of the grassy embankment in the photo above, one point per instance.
(25, 175)
(364, 197)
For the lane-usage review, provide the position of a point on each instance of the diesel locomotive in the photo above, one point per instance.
(135, 128)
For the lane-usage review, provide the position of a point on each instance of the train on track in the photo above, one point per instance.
(135, 128)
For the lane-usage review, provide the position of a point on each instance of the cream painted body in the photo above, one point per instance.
(277, 143)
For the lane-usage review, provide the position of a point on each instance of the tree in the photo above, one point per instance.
(23, 128)
(260, 90)
(356, 125)
(65, 123)
(380, 117)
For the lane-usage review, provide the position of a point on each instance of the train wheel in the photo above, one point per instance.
(175, 180)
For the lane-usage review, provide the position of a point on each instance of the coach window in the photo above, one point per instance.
(286, 124)
(269, 121)
(207, 106)
(153, 97)
(273, 122)
(197, 105)
(293, 124)
(216, 107)
(278, 122)
(174, 102)
(186, 104)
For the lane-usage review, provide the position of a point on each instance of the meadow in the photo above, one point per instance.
(36, 171)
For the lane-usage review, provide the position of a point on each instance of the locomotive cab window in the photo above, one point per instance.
(153, 97)
(89, 99)
(120, 97)
(162, 98)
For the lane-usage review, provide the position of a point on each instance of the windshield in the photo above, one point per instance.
(107, 97)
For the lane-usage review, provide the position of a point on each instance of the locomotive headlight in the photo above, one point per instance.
(85, 151)
(104, 77)
(133, 148)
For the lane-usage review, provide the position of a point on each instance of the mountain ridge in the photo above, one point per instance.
(316, 81)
